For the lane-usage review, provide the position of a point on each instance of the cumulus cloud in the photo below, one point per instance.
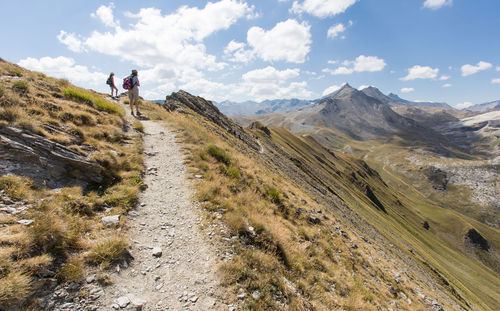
(168, 47)
(495, 81)
(335, 30)
(331, 89)
(468, 70)
(174, 40)
(105, 15)
(321, 8)
(72, 42)
(447, 85)
(444, 78)
(421, 72)
(270, 75)
(436, 4)
(498, 68)
(407, 89)
(288, 41)
(237, 52)
(361, 64)
(259, 84)
(464, 105)
(65, 68)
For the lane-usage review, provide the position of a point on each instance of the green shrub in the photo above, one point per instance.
(20, 86)
(91, 99)
(274, 195)
(233, 172)
(2, 91)
(15, 72)
(219, 154)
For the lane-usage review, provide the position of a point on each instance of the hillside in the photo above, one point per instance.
(69, 157)
(351, 199)
(295, 225)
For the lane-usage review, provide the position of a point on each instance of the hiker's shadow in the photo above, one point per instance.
(142, 118)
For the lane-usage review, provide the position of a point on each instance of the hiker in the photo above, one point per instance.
(111, 83)
(133, 93)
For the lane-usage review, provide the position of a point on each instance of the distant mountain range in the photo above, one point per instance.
(485, 107)
(285, 105)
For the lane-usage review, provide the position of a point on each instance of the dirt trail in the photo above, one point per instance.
(183, 277)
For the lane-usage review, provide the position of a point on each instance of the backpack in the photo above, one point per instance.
(127, 83)
(108, 82)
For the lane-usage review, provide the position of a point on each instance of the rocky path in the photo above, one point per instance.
(173, 266)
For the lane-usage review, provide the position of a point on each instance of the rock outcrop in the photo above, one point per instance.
(208, 110)
(46, 162)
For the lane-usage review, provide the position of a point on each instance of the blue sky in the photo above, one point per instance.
(432, 50)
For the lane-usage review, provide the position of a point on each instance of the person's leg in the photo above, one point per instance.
(131, 101)
(111, 90)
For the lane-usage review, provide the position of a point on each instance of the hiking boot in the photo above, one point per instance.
(139, 113)
(132, 113)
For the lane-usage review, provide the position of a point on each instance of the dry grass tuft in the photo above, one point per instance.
(71, 271)
(107, 251)
(14, 288)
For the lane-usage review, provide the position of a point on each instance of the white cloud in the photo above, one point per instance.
(407, 89)
(421, 72)
(332, 62)
(498, 68)
(258, 85)
(464, 105)
(361, 64)
(236, 52)
(270, 75)
(447, 85)
(468, 70)
(322, 8)
(167, 48)
(105, 14)
(64, 67)
(495, 81)
(71, 41)
(444, 78)
(331, 89)
(288, 41)
(339, 71)
(436, 4)
(175, 40)
(369, 63)
(335, 30)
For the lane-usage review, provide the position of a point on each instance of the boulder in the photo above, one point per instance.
(111, 220)
(48, 163)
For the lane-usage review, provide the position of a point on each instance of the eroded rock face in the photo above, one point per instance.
(48, 163)
(209, 111)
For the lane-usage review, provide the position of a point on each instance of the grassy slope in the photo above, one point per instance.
(291, 262)
(67, 233)
(403, 225)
